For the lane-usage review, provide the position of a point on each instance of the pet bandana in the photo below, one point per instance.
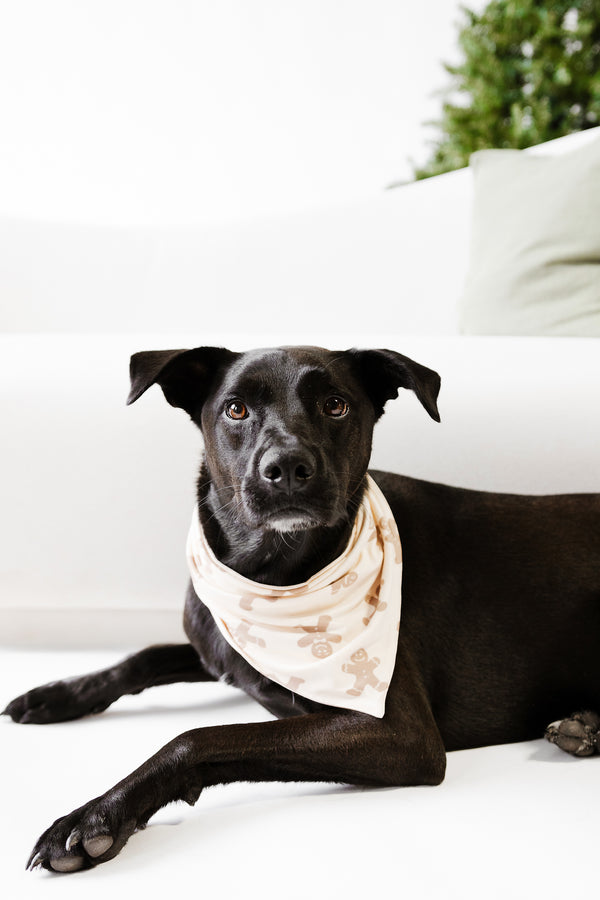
(333, 638)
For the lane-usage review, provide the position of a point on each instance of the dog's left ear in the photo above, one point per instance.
(185, 376)
(383, 372)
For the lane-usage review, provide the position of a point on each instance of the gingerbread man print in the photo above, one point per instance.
(374, 602)
(293, 683)
(243, 637)
(363, 670)
(345, 582)
(246, 600)
(318, 638)
(388, 529)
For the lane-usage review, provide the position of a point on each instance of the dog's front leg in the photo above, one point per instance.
(73, 698)
(338, 746)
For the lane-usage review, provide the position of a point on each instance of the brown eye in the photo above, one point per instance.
(335, 407)
(236, 410)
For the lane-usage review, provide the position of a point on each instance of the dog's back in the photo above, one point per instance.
(501, 605)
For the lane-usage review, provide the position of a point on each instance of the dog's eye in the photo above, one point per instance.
(335, 407)
(235, 409)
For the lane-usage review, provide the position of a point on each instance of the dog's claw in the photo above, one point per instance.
(73, 839)
(35, 861)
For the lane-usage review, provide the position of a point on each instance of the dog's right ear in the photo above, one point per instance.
(185, 376)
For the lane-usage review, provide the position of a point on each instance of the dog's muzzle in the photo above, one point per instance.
(287, 489)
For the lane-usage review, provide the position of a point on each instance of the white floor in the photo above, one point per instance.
(517, 821)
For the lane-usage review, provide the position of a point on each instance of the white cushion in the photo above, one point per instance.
(487, 833)
(535, 245)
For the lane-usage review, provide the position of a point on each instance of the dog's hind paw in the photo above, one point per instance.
(578, 735)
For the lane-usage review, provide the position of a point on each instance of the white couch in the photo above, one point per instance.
(97, 496)
(96, 500)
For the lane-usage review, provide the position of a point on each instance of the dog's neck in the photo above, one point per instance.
(261, 554)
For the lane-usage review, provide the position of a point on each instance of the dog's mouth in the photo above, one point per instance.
(291, 519)
(290, 514)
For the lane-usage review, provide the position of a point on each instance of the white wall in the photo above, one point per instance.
(198, 110)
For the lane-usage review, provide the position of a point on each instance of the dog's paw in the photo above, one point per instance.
(58, 701)
(577, 735)
(90, 835)
(48, 703)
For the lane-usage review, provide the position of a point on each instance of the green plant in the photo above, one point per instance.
(530, 73)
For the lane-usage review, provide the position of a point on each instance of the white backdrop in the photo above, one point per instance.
(191, 110)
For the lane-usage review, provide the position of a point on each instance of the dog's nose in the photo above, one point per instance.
(287, 470)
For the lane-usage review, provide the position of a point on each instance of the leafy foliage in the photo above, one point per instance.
(531, 72)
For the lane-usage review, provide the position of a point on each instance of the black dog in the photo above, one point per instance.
(501, 596)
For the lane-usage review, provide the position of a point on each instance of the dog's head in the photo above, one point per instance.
(287, 431)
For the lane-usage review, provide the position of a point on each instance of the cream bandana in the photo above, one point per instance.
(332, 639)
